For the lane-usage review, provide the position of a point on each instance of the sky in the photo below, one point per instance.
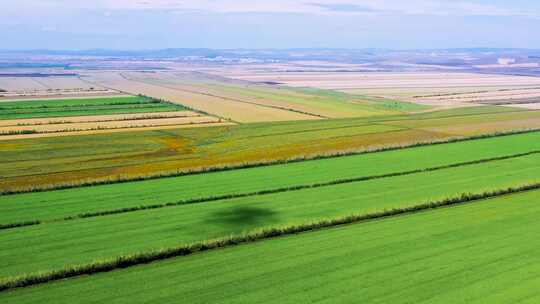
(227, 24)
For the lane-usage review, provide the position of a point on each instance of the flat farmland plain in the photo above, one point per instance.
(106, 125)
(78, 116)
(224, 108)
(48, 86)
(20, 84)
(50, 246)
(94, 118)
(83, 159)
(428, 88)
(318, 103)
(345, 264)
(53, 205)
(28, 84)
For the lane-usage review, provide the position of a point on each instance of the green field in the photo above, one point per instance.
(485, 252)
(41, 162)
(72, 202)
(87, 226)
(109, 236)
(82, 107)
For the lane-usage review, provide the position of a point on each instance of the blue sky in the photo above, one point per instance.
(153, 24)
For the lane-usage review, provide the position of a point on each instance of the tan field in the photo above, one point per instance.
(429, 88)
(342, 81)
(267, 96)
(410, 93)
(83, 126)
(64, 83)
(76, 133)
(222, 107)
(96, 118)
(14, 84)
(499, 96)
(22, 84)
(530, 106)
(39, 87)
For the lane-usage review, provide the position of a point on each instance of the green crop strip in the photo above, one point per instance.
(262, 192)
(184, 250)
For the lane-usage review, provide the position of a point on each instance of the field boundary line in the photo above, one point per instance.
(262, 192)
(249, 237)
(195, 171)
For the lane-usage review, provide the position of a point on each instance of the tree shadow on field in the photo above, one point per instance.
(243, 218)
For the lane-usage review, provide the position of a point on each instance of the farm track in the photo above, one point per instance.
(259, 193)
(450, 139)
(250, 237)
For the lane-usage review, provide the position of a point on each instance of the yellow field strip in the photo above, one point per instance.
(82, 126)
(129, 129)
(96, 118)
(228, 109)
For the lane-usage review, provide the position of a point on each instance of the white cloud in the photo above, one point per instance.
(410, 7)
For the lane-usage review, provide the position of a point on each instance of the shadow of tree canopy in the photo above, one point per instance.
(239, 218)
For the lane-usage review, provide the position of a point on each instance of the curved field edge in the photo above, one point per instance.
(256, 193)
(122, 179)
(257, 235)
(490, 246)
